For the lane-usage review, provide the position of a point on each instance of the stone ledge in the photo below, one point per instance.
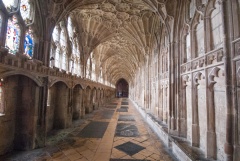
(172, 143)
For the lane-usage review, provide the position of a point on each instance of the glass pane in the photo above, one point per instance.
(11, 5)
(64, 61)
(25, 11)
(57, 57)
(28, 43)
(13, 35)
(55, 34)
(70, 28)
(62, 39)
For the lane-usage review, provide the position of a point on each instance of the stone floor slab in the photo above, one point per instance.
(94, 139)
(130, 148)
(107, 114)
(126, 130)
(124, 103)
(122, 110)
(94, 130)
(126, 118)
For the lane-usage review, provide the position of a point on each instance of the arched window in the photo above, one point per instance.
(11, 5)
(93, 77)
(216, 26)
(62, 39)
(70, 28)
(57, 57)
(55, 35)
(75, 66)
(64, 61)
(192, 9)
(75, 54)
(28, 43)
(88, 68)
(200, 38)
(55, 54)
(188, 46)
(13, 35)
(63, 44)
(25, 10)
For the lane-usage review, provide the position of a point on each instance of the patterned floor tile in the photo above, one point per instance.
(129, 148)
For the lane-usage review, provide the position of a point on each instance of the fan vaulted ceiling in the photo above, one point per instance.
(120, 33)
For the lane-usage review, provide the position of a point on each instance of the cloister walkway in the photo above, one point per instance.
(115, 132)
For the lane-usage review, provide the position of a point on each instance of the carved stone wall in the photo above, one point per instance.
(180, 58)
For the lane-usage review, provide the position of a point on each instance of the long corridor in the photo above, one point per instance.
(115, 132)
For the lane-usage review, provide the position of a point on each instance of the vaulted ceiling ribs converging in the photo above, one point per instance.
(120, 33)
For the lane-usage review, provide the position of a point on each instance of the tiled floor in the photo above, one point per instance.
(133, 141)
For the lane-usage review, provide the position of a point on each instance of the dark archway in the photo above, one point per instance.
(22, 96)
(122, 88)
(77, 102)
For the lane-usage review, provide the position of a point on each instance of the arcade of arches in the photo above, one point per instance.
(61, 59)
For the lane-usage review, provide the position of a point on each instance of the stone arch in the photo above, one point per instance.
(216, 109)
(51, 83)
(214, 73)
(77, 102)
(194, 24)
(184, 103)
(94, 98)
(102, 96)
(195, 109)
(58, 110)
(87, 100)
(78, 84)
(98, 97)
(22, 100)
(122, 88)
(38, 80)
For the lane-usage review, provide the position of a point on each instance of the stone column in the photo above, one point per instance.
(228, 71)
(45, 94)
(183, 108)
(195, 121)
(211, 132)
(172, 86)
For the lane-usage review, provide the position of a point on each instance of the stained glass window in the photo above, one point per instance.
(13, 35)
(28, 44)
(11, 5)
(25, 11)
